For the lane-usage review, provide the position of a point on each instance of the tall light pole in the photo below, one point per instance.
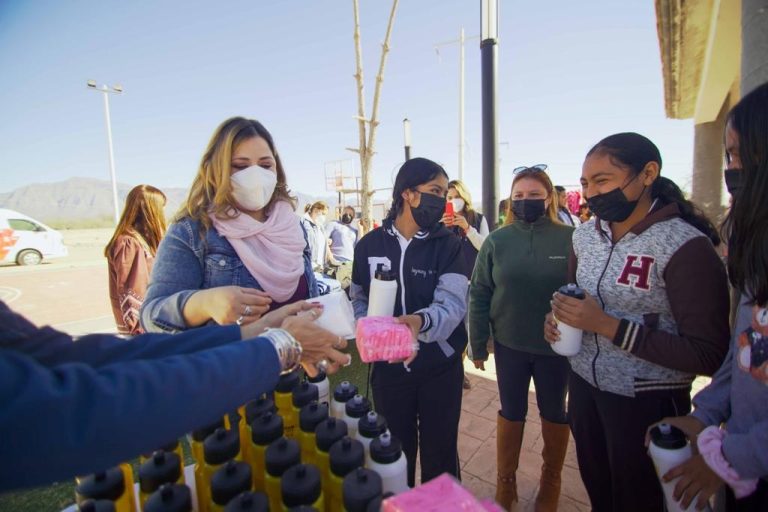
(460, 41)
(489, 33)
(407, 138)
(106, 91)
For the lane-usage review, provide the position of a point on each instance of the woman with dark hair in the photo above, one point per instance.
(518, 268)
(236, 248)
(737, 453)
(131, 252)
(655, 316)
(421, 399)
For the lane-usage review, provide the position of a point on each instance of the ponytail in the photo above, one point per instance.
(667, 192)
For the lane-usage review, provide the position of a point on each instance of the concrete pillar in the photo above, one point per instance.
(707, 183)
(754, 41)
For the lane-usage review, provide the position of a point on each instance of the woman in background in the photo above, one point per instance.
(131, 252)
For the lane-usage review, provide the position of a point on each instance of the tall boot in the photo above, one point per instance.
(555, 445)
(509, 440)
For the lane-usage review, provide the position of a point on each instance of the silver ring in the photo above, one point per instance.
(322, 365)
(247, 311)
(239, 321)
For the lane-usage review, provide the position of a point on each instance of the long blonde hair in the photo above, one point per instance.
(211, 189)
(143, 217)
(463, 193)
(543, 178)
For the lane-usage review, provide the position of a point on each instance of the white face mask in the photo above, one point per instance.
(253, 187)
(320, 220)
(458, 204)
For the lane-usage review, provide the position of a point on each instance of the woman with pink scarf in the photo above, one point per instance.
(236, 249)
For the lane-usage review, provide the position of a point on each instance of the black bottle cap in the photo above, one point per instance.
(320, 377)
(281, 455)
(344, 391)
(311, 415)
(302, 508)
(160, 468)
(287, 382)
(221, 446)
(572, 290)
(328, 432)
(375, 504)
(266, 428)
(357, 407)
(301, 485)
(248, 502)
(104, 485)
(230, 480)
(382, 274)
(96, 506)
(668, 437)
(304, 393)
(256, 408)
(372, 425)
(201, 433)
(170, 498)
(386, 449)
(345, 455)
(360, 487)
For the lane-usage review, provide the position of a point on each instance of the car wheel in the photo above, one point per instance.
(29, 257)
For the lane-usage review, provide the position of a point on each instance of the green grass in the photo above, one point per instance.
(55, 497)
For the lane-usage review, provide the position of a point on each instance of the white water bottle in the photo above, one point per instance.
(369, 427)
(323, 386)
(669, 448)
(355, 409)
(387, 459)
(570, 337)
(383, 294)
(342, 394)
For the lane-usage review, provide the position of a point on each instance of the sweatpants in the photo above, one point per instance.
(422, 409)
(514, 370)
(609, 431)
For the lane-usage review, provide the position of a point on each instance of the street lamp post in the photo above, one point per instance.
(489, 29)
(106, 91)
(407, 138)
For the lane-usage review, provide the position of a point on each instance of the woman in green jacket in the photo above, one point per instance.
(518, 269)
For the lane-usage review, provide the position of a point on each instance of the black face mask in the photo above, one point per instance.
(528, 210)
(733, 180)
(430, 210)
(613, 206)
(346, 218)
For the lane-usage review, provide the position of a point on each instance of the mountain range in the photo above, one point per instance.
(90, 198)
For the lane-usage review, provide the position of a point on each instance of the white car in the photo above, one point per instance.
(27, 241)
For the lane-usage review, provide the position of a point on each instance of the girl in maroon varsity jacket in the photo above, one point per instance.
(655, 316)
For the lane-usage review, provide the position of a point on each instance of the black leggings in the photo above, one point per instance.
(514, 369)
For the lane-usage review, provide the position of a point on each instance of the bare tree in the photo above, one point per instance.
(367, 127)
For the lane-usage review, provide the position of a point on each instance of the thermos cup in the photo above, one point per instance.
(570, 337)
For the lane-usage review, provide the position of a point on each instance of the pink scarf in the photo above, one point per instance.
(272, 250)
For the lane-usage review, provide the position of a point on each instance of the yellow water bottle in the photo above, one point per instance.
(221, 446)
(174, 447)
(107, 485)
(284, 401)
(170, 498)
(301, 487)
(303, 394)
(96, 506)
(326, 434)
(228, 481)
(280, 455)
(345, 456)
(248, 413)
(249, 502)
(310, 417)
(196, 440)
(161, 468)
(265, 430)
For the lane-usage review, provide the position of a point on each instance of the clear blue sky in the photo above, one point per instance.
(570, 73)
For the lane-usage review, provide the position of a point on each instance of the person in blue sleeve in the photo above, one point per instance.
(75, 407)
(421, 399)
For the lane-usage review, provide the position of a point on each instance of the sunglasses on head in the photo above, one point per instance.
(533, 168)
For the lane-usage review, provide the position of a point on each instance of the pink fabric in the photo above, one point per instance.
(710, 443)
(379, 338)
(438, 495)
(272, 250)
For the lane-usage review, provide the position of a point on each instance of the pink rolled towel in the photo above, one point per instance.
(379, 338)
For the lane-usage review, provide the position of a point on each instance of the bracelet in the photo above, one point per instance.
(287, 347)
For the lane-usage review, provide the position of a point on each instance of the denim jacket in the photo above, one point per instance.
(188, 261)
